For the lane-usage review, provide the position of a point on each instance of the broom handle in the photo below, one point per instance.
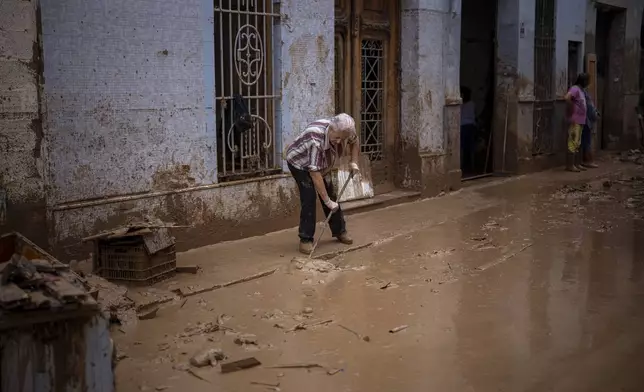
(328, 218)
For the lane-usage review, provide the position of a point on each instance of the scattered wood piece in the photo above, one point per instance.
(242, 364)
(162, 388)
(251, 277)
(148, 314)
(386, 286)
(64, 291)
(398, 329)
(246, 339)
(265, 384)
(333, 372)
(207, 357)
(298, 366)
(479, 238)
(359, 336)
(183, 303)
(317, 323)
(303, 326)
(187, 269)
(195, 374)
(12, 296)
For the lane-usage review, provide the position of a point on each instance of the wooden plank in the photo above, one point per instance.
(12, 296)
(242, 364)
(158, 240)
(64, 291)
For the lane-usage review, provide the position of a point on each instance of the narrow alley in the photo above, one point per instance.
(532, 283)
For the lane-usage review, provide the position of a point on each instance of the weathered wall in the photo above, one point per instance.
(21, 135)
(621, 88)
(124, 93)
(130, 128)
(307, 64)
(570, 27)
(73, 355)
(430, 54)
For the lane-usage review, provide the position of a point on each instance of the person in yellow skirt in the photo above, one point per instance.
(577, 112)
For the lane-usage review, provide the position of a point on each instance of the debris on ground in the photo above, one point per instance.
(113, 300)
(148, 314)
(265, 384)
(303, 326)
(308, 366)
(188, 269)
(632, 156)
(246, 339)
(188, 292)
(197, 375)
(359, 336)
(241, 364)
(398, 329)
(313, 265)
(207, 357)
(307, 310)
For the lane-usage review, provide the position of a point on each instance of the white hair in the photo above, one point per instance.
(344, 124)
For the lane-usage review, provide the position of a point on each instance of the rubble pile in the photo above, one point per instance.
(40, 284)
(633, 156)
(113, 300)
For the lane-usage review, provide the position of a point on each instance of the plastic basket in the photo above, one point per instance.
(126, 260)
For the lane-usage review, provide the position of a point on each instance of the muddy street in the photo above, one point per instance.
(534, 283)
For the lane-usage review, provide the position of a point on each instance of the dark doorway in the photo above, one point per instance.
(609, 38)
(477, 75)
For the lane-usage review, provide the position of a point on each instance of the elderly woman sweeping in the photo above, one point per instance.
(310, 158)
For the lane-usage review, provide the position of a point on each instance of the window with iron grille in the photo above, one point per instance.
(544, 85)
(244, 86)
(372, 102)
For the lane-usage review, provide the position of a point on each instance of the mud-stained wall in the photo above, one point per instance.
(430, 54)
(21, 134)
(307, 64)
(570, 27)
(72, 355)
(621, 86)
(129, 118)
(215, 213)
(124, 94)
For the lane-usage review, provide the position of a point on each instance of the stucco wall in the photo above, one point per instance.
(307, 64)
(570, 26)
(130, 128)
(21, 137)
(430, 54)
(124, 91)
(623, 92)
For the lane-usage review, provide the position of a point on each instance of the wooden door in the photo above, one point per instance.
(367, 50)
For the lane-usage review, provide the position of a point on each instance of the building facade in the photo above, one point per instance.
(113, 111)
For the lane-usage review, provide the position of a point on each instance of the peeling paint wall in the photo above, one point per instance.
(571, 23)
(430, 97)
(70, 355)
(218, 213)
(124, 94)
(621, 88)
(129, 119)
(307, 64)
(21, 134)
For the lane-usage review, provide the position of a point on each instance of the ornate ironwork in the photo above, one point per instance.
(372, 108)
(245, 98)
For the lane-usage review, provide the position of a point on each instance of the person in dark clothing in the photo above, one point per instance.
(592, 115)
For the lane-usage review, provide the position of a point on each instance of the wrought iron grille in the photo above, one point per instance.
(245, 98)
(544, 66)
(373, 87)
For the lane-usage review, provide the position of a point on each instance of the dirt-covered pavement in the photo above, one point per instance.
(533, 283)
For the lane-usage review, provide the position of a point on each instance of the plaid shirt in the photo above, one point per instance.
(311, 150)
